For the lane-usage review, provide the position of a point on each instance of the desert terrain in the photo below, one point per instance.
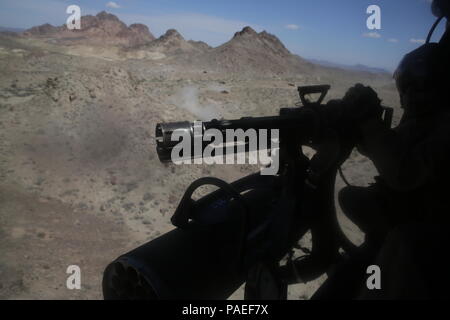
(80, 181)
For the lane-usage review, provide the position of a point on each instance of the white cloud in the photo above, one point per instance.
(419, 41)
(292, 27)
(374, 35)
(393, 40)
(113, 5)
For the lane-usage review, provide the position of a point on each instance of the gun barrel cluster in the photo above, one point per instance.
(168, 135)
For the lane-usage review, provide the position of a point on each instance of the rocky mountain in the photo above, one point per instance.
(104, 28)
(172, 42)
(246, 52)
(200, 45)
(267, 42)
(249, 51)
(42, 30)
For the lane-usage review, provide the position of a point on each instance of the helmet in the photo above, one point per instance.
(441, 8)
(419, 68)
(422, 75)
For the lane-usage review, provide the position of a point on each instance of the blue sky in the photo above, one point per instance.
(329, 30)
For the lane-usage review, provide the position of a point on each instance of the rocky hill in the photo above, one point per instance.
(247, 52)
(202, 46)
(255, 53)
(172, 42)
(103, 28)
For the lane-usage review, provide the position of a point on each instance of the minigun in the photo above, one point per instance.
(247, 230)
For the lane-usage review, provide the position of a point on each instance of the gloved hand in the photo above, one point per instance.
(361, 103)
